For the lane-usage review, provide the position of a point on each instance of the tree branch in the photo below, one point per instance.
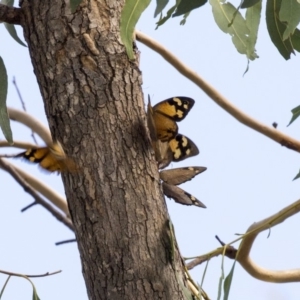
(9, 14)
(32, 123)
(247, 242)
(245, 119)
(43, 189)
(17, 144)
(57, 214)
(243, 254)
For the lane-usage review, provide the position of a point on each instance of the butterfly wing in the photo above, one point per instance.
(175, 108)
(182, 147)
(180, 196)
(180, 175)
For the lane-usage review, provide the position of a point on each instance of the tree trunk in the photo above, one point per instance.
(94, 104)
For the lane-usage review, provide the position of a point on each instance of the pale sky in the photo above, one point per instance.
(248, 177)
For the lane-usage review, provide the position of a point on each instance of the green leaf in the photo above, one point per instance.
(168, 16)
(12, 31)
(160, 5)
(289, 14)
(7, 2)
(186, 6)
(297, 176)
(227, 282)
(249, 3)
(4, 119)
(276, 29)
(252, 21)
(131, 13)
(223, 15)
(74, 4)
(295, 39)
(183, 21)
(296, 113)
(35, 295)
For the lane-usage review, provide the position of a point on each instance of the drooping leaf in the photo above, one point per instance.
(74, 4)
(224, 14)
(289, 14)
(4, 119)
(227, 282)
(296, 113)
(4, 286)
(160, 5)
(252, 21)
(35, 295)
(295, 39)
(7, 2)
(249, 3)
(297, 176)
(167, 16)
(131, 13)
(276, 29)
(186, 6)
(12, 31)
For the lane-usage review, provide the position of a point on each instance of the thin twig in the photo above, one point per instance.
(57, 214)
(29, 206)
(30, 276)
(17, 144)
(65, 242)
(23, 105)
(245, 119)
(56, 199)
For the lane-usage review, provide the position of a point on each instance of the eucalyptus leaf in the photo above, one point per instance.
(131, 13)
(4, 118)
(252, 21)
(276, 29)
(12, 31)
(74, 4)
(289, 14)
(7, 2)
(295, 39)
(297, 176)
(35, 295)
(249, 3)
(225, 14)
(296, 113)
(168, 16)
(186, 6)
(160, 5)
(227, 282)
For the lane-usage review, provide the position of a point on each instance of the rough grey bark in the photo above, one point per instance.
(94, 104)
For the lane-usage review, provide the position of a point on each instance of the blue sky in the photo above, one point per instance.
(248, 177)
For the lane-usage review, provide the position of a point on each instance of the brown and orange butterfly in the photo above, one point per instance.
(51, 158)
(163, 116)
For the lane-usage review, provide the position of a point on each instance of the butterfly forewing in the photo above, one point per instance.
(175, 108)
(180, 175)
(182, 147)
(180, 196)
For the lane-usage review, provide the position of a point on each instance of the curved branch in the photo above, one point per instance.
(9, 14)
(57, 214)
(46, 191)
(32, 123)
(268, 131)
(31, 276)
(247, 242)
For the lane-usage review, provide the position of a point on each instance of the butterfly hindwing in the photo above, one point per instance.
(52, 158)
(180, 196)
(180, 175)
(182, 147)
